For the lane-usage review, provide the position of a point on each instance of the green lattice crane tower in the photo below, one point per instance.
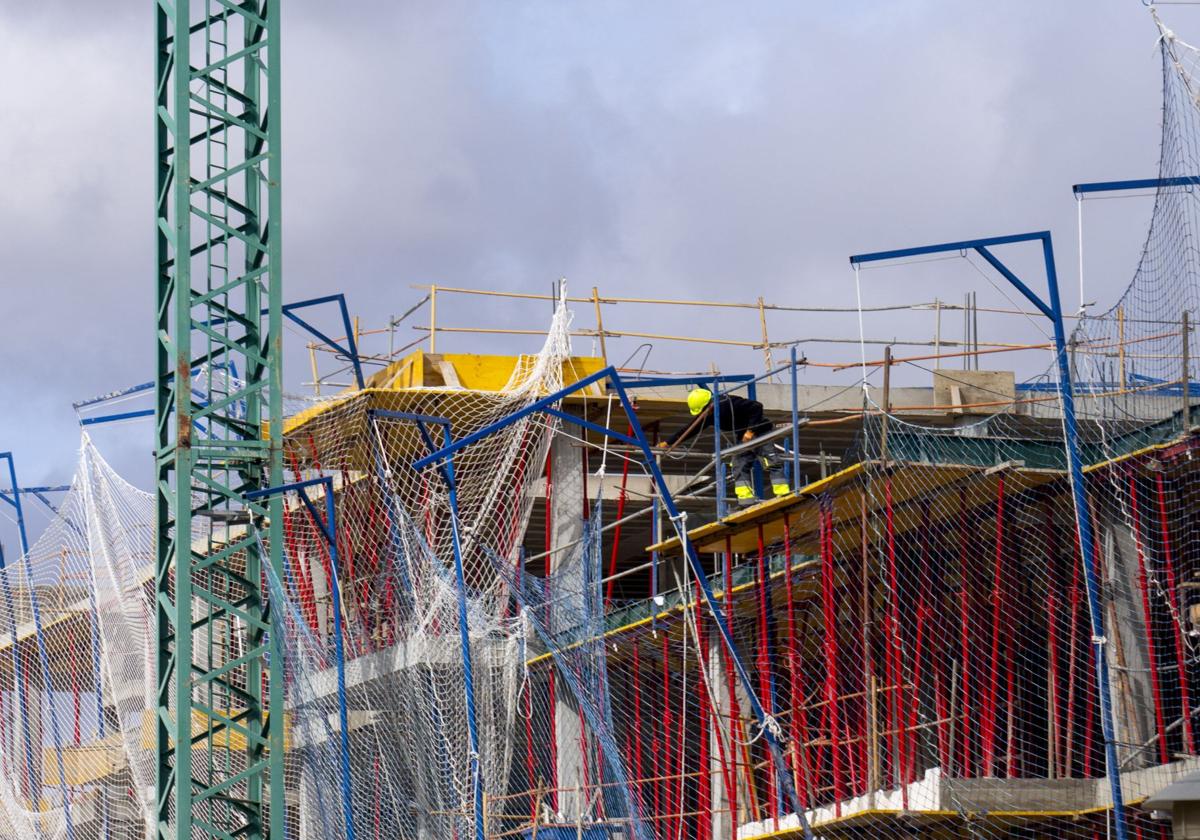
(219, 711)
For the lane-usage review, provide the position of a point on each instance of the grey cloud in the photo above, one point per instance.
(672, 150)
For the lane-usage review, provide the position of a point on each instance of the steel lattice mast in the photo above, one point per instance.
(219, 713)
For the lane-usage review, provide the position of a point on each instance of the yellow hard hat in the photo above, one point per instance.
(698, 399)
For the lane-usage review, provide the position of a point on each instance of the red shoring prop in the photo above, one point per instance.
(1189, 743)
(1148, 617)
(895, 674)
(764, 671)
(964, 604)
(621, 496)
(988, 718)
(798, 737)
(831, 651)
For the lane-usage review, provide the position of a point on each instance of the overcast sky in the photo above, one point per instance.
(666, 149)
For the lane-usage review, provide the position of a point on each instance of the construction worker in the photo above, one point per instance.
(744, 419)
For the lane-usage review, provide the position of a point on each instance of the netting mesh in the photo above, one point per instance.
(76, 621)
(918, 628)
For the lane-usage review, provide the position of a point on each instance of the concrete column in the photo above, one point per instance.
(566, 528)
(1125, 623)
(722, 824)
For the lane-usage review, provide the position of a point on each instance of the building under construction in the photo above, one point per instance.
(486, 595)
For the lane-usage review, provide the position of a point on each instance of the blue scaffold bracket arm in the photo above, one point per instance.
(1020, 286)
(351, 346)
(300, 488)
(965, 245)
(1136, 184)
(979, 246)
(1092, 580)
(349, 349)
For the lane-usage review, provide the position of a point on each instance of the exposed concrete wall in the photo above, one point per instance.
(1125, 623)
(566, 526)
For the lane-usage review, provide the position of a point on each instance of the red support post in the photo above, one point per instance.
(1053, 689)
(612, 561)
(795, 697)
(989, 716)
(828, 584)
(1148, 616)
(1189, 743)
(918, 647)
(895, 704)
(964, 605)
(764, 672)
(1092, 700)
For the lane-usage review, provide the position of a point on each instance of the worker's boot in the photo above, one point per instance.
(779, 482)
(744, 492)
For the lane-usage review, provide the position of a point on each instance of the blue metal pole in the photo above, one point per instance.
(464, 630)
(339, 653)
(795, 426)
(656, 533)
(767, 724)
(465, 636)
(15, 501)
(40, 640)
(328, 530)
(756, 472)
(719, 464)
(1084, 518)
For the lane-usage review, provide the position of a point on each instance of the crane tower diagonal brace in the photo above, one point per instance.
(217, 96)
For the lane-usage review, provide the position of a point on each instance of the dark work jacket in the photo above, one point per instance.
(738, 415)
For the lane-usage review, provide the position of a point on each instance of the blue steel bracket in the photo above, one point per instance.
(771, 731)
(1137, 184)
(15, 502)
(698, 381)
(328, 530)
(351, 348)
(39, 493)
(202, 399)
(1052, 309)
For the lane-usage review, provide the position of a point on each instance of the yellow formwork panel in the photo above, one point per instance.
(448, 374)
(799, 513)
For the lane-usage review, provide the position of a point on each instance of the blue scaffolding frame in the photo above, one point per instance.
(1053, 311)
